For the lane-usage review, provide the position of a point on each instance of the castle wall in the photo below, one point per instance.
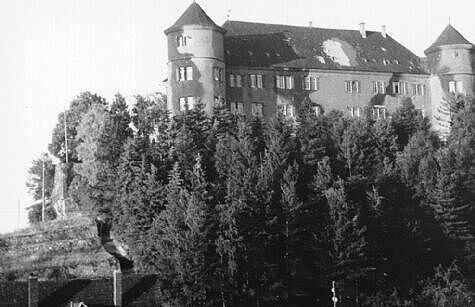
(331, 93)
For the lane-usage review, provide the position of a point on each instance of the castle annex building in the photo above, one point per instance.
(260, 69)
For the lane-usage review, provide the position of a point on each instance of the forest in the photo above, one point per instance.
(231, 210)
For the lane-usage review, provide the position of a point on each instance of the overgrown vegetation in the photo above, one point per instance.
(235, 211)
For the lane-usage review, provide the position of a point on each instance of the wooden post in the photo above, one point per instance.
(117, 288)
(33, 291)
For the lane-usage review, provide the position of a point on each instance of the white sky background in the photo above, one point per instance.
(51, 50)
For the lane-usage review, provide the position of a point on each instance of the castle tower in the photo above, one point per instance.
(450, 61)
(196, 68)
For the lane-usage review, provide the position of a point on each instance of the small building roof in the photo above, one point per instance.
(283, 46)
(193, 15)
(450, 36)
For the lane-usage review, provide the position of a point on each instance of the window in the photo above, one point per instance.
(235, 80)
(187, 103)
(455, 86)
(289, 82)
(288, 110)
(238, 81)
(218, 74)
(352, 86)
(280, 82)
(310, 83)
(255, 81)
(260, 84)
(396, 87)
(404, 88)
(379, 87)
(256, 109)
(355, 111)
(418, 89)
(183, 41)
(285, 82)
(237, 108)
(184, 73)
(379, 112)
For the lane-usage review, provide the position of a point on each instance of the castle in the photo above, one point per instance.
(260, 69)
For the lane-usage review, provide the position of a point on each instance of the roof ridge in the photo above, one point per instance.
(296, 26)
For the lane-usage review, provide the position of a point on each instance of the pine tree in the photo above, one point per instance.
(348, 234)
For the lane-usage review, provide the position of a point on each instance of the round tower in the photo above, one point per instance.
(196, 68)
(451, 59)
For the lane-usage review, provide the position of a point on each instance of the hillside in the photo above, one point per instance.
(56, 249)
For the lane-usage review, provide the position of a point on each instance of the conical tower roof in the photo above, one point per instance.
(193, 15)
(450, 36)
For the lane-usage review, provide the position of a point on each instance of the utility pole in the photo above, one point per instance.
(43, 190)
(65, 136)
(18, 216)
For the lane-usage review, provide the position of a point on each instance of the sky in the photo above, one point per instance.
(51, 50)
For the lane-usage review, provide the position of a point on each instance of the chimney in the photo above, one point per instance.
(362, 30)
(310, 24)
(383, 31)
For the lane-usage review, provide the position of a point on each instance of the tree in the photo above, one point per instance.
(35, 177)
(348, 234)
(35, 187)
(77, 108)
(447, 288)
(406, 121)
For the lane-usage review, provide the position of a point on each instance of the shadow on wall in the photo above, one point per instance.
(143, 286)
(65, 294)
(380, 98)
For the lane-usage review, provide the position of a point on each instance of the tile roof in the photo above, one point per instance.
(450, 36)
(193, 15)
(280, 46)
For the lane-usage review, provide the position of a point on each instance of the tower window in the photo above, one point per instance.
(218, 74)
(352, 86)
(187, 103)
(455, 86)
(311, 83)
(256, 109)
(183, 41)
(184, 73)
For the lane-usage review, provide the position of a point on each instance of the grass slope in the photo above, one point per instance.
(67, 248)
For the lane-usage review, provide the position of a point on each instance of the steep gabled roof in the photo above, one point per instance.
(271, 45)
(450, 36)
(193, 15)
